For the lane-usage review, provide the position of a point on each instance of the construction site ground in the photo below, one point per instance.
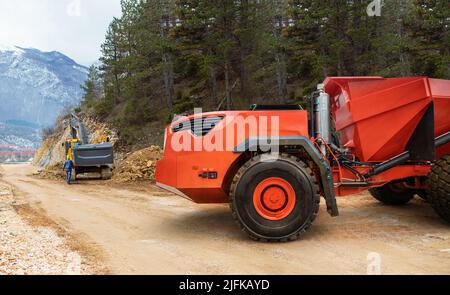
(139, 229)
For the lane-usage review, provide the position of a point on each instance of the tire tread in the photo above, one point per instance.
(439, 188)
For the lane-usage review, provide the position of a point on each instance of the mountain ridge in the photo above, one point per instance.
(35, 87)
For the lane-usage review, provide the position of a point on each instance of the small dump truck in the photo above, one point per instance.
(88, 158)
(273, 164)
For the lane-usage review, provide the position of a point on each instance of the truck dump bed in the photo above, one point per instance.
(376, 117)
(93, 155)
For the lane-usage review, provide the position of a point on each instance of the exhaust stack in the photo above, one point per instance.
(323, 111)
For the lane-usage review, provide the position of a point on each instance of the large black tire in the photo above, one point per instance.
(304, 190)
(392, 195)
(439, 187)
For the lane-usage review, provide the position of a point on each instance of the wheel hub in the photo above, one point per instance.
(274, 199)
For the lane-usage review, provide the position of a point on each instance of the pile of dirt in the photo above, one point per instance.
(54, 172)
(139, 166)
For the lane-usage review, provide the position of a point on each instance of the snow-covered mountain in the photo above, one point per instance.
(35, 87)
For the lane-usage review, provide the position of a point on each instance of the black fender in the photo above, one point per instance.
(267, 144)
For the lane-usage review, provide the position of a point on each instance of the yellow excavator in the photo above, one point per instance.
(86, 157)
(70, 145)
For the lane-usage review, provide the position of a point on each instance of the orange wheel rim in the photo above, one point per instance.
(274, 199)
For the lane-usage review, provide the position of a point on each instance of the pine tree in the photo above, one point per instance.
(430, 27)
(92, 87)
(111, 61)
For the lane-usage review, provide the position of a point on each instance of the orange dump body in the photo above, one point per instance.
(376, 117)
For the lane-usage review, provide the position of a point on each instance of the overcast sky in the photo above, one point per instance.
(74, 27)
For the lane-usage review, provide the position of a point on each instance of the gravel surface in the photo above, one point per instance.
(27, 249)
(138, 229)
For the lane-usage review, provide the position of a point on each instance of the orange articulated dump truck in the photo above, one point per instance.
(274, 164)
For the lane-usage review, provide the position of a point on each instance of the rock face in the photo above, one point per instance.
(35, 87)
(51, 153)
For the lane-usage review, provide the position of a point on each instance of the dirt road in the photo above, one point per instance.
(142, 230)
